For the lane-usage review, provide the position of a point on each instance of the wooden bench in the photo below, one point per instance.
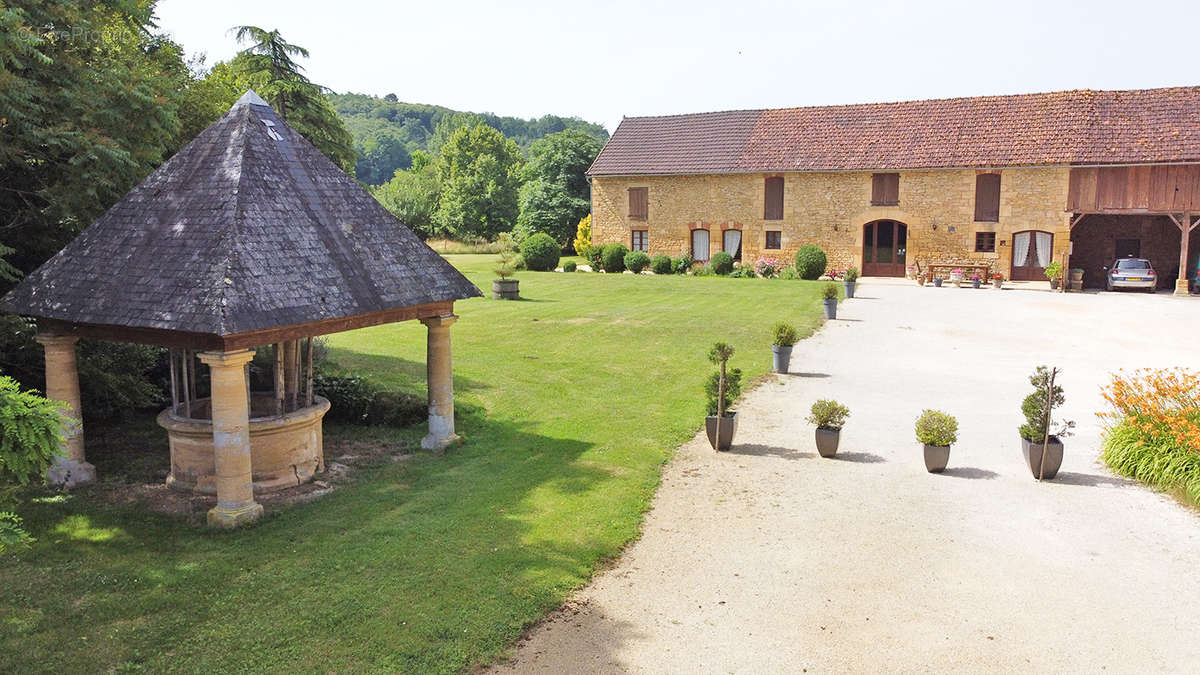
(984, 272)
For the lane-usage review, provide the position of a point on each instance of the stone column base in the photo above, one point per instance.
(1181, 287)
(219, 516)
(68, 473)
(439, 443)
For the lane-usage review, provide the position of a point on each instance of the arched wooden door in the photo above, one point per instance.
(1031, 252)
(885, 248)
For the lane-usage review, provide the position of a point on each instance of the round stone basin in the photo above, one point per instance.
(285, 450)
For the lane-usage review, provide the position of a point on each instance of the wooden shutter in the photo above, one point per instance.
(987, 197)
(773, 199)
(885, 189)
(639, 203)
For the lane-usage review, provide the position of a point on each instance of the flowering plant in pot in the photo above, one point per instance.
(829, 296)
(829, 418)
(937, 431)
(1041, 437)
(722, 388)
(975, 281)
(784, 337)
(998, 280)
(956, 277)
(850, 279)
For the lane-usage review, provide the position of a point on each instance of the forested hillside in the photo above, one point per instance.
(387, 131)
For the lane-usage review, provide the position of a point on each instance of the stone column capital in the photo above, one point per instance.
(444, 321)
(52, 340)
(234, 359)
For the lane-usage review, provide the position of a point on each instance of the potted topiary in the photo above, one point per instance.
(937, 431)
(785, 336)
(505, 288)
(850, 280)
(1042, 447)
(722, 388)
(1053, 272)
(829, 417)
(830, 298)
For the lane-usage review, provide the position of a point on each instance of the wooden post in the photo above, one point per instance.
(231, 439)
(1181, 284)
(308, 383)
(278, 378)
(171, 359)
(187, 402)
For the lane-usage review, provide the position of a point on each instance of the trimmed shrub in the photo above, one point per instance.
(829, 291)
(851, 274)
(636, 261)
(660, 264)
(810, 262)
(722, 263)
(569, 266)
(827, 414)
(937, 428)
(595, 258)
(354, 400)
(682, 264)
(784, 334)
(540, 252)
(612, 258)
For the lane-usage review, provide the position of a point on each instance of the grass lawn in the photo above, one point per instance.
(570, 400)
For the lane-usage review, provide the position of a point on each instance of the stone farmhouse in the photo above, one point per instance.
(1014, 182)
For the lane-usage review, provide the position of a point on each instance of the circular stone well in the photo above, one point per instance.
(285, 450)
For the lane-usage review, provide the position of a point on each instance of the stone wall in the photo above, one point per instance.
(830, 209)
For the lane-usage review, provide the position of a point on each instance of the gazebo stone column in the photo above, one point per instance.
(62, 384)
(440, 382)
(231, 439)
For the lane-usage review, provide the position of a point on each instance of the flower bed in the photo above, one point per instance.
(1154, 429)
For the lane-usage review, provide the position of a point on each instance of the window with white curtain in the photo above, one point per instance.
(1020, 249)
(700, 245)
(1042, 243)
(733, 243)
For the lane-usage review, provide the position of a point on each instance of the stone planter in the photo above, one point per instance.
(781, 357)
(936, 458)
(827, 441)
(1076, 279)
(849, 288)
(1033, 456)
(728, 429)
(285, 450)
(831, 308)
(975, 283)
(937, 282)
(506, 289)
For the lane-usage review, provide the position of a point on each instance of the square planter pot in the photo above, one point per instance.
(781, 357)
(827, 441)
(506, 289)
(728, 429)
(831, 308)
(1033, 456)
(936, 458)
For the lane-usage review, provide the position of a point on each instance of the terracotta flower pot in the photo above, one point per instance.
(827, 441)
(728, 429)
(936, 458)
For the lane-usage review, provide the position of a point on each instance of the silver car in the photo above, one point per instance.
(1132, 273)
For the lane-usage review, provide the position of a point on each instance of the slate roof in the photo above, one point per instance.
(1060, 128)
(248, 227)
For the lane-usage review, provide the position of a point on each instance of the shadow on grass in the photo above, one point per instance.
(475, 538)
(1092, 480)
(756, 450)
(859, 457)
(970, 472)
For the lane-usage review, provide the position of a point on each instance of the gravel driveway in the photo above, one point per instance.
(771, 559)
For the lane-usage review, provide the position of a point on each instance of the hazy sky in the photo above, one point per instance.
(602, 61)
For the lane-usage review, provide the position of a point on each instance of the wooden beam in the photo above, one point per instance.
(1075, 220)
(1178, 223)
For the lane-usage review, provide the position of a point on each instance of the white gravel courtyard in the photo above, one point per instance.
(772, 559)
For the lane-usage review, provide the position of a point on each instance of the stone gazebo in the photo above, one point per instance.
(249, 236)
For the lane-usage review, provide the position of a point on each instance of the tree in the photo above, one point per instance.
(268, 67)
(480, 171)
(447, 125)
(381, 154)
(556, 193)
(412, 195)
(30, 438)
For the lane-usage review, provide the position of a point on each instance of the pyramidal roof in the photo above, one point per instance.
(246, 229)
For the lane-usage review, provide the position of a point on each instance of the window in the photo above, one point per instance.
(641, 240)
(774, 239)
(639, 203)
(985, 242)
(885, 189)
(773, 199)
(731, 243)
(987, 197)
(700, 245)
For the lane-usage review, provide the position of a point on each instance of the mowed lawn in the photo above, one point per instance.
(569, 401)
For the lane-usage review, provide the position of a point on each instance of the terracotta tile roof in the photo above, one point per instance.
(1070, 127)
(248, 227)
